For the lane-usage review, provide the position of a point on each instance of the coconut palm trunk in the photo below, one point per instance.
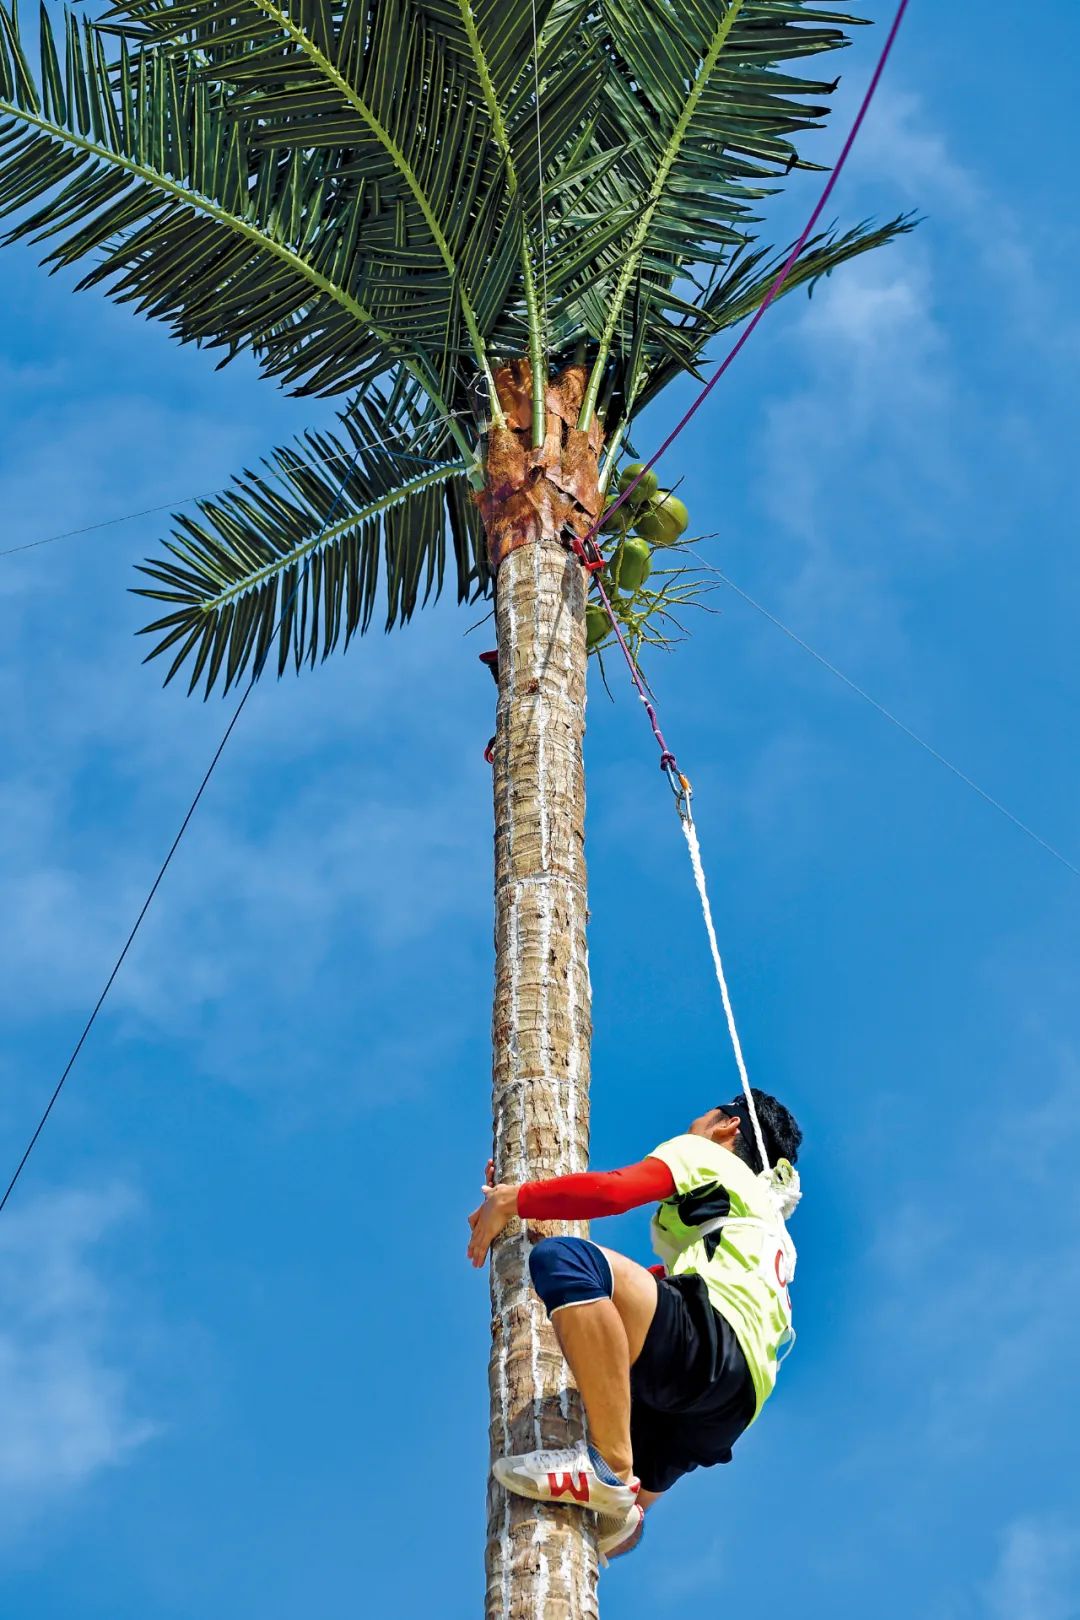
(541, 1562)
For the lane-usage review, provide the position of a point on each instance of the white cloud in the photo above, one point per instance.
(256, 924)
(971, 1273)
(878, 403)
(898, 144)
(1038, 1572)
(64, 1392)
(100, 764)
(312, 882)
(865, 463)
(875, 314)
(900, 147)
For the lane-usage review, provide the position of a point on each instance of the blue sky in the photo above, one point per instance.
(226, 1364)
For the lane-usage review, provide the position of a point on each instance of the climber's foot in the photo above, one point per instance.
(619, 1534)
(577, 1476)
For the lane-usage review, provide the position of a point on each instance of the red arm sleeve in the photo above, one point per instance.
(596, 1192)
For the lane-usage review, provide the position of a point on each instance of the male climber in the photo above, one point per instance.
(672, 1363)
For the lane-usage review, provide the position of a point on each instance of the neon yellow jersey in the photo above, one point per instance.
(722, 1225)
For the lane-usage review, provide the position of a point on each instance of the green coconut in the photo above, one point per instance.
(597, 624)
(616, 522)
(648, 486)
(635, 563)
(666, 519)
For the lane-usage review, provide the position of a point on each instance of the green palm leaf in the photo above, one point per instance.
(236, 245)
(737, 291)
(379, 85)
(261, 567)
(431, 101)
(705, 118)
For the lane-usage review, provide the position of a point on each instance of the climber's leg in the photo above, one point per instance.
(601, 1339)
(576, 1280)
(634, 1297)
(593, 1340)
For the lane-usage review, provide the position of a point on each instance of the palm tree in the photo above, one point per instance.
(495, 230)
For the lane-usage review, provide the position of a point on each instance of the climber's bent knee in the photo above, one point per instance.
(570, 1271)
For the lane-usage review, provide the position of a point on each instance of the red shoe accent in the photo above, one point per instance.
(562, 1484)
(631, 1540)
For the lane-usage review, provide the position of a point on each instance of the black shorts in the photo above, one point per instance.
(692, 1394)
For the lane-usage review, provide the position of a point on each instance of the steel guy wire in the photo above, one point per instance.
(174, 846)
(209, 494)
(895, 720)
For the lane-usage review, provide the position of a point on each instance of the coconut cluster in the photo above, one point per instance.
(651, 517)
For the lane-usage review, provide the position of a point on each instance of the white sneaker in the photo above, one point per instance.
(617, 1536)
(568, 1476)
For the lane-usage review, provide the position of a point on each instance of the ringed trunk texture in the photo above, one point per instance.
(541, 1561)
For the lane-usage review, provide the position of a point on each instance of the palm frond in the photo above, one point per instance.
(706, 119)
(379, 87)
(295, 554)
(737, 292)
(340, 185)
(139, 167)
(456, 110)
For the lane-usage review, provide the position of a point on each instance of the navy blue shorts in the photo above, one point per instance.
(570, 1271)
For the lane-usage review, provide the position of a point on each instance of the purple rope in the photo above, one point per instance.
(782, 276)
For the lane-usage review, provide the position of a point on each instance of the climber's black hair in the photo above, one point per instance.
(779, 1128)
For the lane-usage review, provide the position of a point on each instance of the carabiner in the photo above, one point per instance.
(679, 785)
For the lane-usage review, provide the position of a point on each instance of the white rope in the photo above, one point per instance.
(690, 834)
(781, 1179)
